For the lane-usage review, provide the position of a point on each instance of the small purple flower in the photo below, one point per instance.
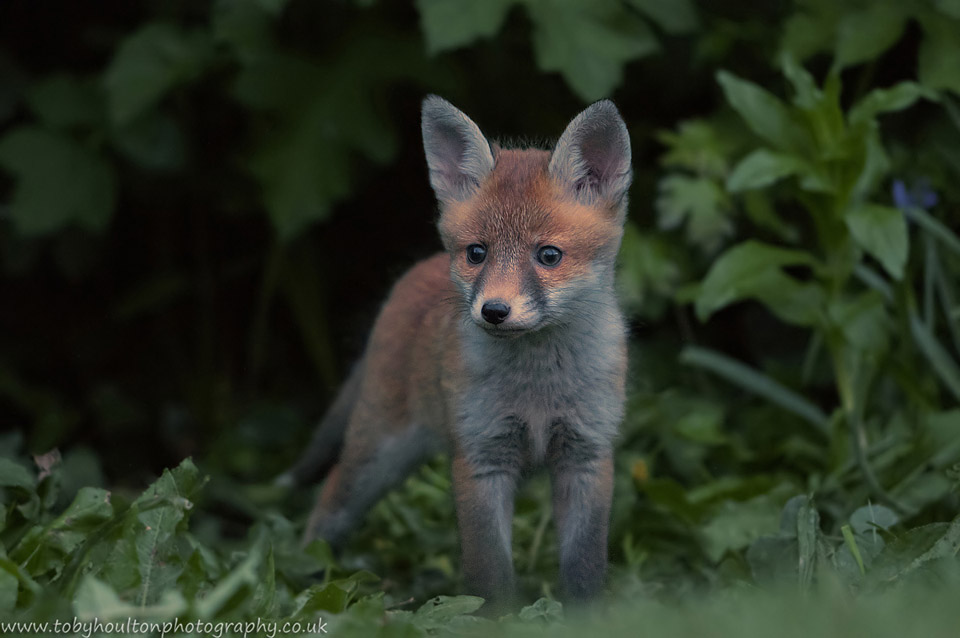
(920, 195)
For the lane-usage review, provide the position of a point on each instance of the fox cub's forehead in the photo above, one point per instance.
(517, 199)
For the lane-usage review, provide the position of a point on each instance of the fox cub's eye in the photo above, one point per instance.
(549, 255)
(476, 253)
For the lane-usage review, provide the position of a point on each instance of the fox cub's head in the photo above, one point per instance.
(532, 234)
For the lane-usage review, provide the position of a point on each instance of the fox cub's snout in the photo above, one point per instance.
(508, 350)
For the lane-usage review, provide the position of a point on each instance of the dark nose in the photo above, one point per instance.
(495, 311)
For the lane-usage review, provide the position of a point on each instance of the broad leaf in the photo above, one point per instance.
(675, 16)
(85, 182)
(762, 168)
(753, 270)
(764, 113)
(700, 204)
(588, 42)
(448, 24)
(864, 34)
(882, 232)
(149, 63)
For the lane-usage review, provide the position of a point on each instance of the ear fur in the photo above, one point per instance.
(458, 155)
(591, 160)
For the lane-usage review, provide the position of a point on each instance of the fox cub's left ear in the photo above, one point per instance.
(592, 157)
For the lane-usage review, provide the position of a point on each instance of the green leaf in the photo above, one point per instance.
(937, 66)
(436, 613)
(647, 270)
(46, 549)
(863, 321)
(673, 16)
(85, 183)
(695, 146)
(764, 113)
(12, 474)
(915, 550)
(753, 270)
(761, 168)
(895, 98)
(96, 599)
(544, 611)
(864, 34)
(698, 202)
(936, 228)
(868, 519)
(941, 361)
(734, 525)
(882, 232)
(588, 42)
(149, 63)
(753, 381)
(449, 24)
(65, 101)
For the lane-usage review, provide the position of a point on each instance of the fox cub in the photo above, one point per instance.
(508, 350)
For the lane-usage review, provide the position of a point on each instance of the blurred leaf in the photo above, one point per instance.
(544, 610)
(437, 612)
(753, 270)
(939, 51)
(696, 146)
(941, 361)
(647, 268)
(66, 101)
(916, 550)
(47, 549)
(936, 228)
(154, 141)
(868, 519)
(15, 475)
(761, 168)
(895, 98)
(866, 33)
(149, 63)
(449, 24)
(882, 232)
(735, 525)
(863, 321)
(700, 204)
(764, 113)
(97, 600)
(85, 188)
(673, 16)
(588, 42)
(756, 382)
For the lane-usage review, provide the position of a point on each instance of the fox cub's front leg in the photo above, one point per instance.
(486, 469)
(581, 475)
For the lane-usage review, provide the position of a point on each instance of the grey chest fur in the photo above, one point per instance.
(526, 392)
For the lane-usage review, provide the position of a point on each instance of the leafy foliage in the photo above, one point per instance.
(203, 203)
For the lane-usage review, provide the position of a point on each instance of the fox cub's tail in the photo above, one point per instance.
(324, 447)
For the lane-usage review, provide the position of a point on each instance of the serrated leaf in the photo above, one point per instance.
(698, 203)
(544, 610)
(149, 63)
(764, 113)
(761, 168)
(753, 270)
(85, 183)
(449, 24)
(864, 34)
(46, 549)
(673, 16)
(916, 549)
(437, 612)
(695, 146)
(882, 232)
(588, 42)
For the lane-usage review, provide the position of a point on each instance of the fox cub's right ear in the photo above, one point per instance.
(458, 154)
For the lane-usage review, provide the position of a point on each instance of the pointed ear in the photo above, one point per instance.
(458, 155)
(592, 158)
